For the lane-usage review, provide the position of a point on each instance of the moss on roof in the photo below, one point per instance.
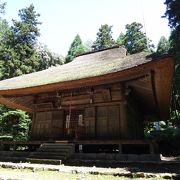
(85, 66)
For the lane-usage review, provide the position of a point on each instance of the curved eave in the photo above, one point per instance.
(13, 104)
(107, 78)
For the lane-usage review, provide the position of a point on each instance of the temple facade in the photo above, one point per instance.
(102, 95)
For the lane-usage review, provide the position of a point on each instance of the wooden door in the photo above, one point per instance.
(48, 125)
(108, 118)
(102, 121)
(42, 125)
(89, 119)
(114, 121)
(57, 124)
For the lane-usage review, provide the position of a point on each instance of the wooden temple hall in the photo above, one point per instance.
(100, 98)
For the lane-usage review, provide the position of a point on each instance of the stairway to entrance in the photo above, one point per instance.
(53, 153)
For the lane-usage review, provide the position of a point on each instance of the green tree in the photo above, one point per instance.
(75, 49)
(173, 15)
(18, 55)
(104, 38)
(19, 52)
(48, 58)
(4, 27)
(120, 39)
(163, 46)
(88, 45)
(135, 40)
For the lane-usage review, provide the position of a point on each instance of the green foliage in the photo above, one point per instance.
(88, 45)
(134, 39)
(75, 49)
(168, 134)
(48, 59)
(104, 38)
(173, 15)
(120, 39)
(18, 51)
(175, 116)
(163, 46)
(4, 28)
(15, 124)
(175, 51)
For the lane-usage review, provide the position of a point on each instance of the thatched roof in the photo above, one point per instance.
(89, 65)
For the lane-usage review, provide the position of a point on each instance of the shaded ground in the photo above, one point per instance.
(136, 167)
(167, 165)
(86, 171)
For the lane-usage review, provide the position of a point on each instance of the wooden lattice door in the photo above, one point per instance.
(74, 122)
(42, 125)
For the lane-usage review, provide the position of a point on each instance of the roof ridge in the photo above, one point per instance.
(99, 50)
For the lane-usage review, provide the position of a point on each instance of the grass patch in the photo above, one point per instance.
(15, 174)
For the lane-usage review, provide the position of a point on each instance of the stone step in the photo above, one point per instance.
(47, 157)
(53, 149)
(12, 159)
(55, 145)
(13, 153)
(44, 161)
(49, 153)
(68, 151)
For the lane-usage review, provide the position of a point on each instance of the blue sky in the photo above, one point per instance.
(63, 19)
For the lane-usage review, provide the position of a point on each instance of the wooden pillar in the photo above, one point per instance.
(120, 148)
(33, 132)
(123, 114)
(32, 135)
(123, 120)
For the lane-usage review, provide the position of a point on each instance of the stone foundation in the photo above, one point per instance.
(117, 157)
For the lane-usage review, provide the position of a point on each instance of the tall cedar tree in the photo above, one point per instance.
(163, 46)
(75, 49)
(9, 130)
(135, 40)
(120, 39)
(104, 38)
(19, 53)
(173, 15)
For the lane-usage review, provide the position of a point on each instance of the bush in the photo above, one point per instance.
(168, 140)
(15, 124)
